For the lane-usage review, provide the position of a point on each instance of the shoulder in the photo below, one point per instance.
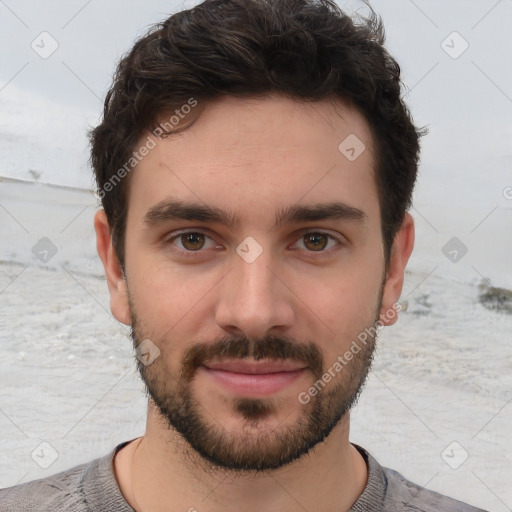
(404, 495)
(83, 488)
(388, 491)
(57, 492)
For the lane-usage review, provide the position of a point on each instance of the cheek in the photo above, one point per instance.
(342, 311)
(171, 301)
(343, 294)
(163, 285)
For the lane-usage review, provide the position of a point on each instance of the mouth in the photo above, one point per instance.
(254, 367)
(253, 379)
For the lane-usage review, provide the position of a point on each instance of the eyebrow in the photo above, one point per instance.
(173, 209)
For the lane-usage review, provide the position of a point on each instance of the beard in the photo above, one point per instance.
(255, 447)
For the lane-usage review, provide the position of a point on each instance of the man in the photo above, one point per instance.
(255, 165)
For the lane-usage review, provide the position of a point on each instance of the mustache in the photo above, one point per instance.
(269, 347)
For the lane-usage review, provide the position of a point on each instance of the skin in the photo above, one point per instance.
(252, 157)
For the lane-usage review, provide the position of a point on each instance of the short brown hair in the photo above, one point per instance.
(307, 49)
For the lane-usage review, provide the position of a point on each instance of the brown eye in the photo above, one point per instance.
(192, 241)
(318, 244)
(192, 244)
(316, 241)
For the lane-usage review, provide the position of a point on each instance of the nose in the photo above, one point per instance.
(255, 298)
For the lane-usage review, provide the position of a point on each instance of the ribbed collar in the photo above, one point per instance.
(372, 497)
(99, 485)
(101, 491)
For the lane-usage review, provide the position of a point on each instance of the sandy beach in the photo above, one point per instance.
(436, 406)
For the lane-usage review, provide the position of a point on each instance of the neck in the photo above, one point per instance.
(160, 472)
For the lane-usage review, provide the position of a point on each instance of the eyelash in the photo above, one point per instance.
(191, 254)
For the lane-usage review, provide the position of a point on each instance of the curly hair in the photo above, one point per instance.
(303, 49)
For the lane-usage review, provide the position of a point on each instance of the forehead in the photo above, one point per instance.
(254, 157)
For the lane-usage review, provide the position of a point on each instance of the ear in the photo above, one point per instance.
(119, 304)
(400, 253)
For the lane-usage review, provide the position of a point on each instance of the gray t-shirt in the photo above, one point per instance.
(92, 487)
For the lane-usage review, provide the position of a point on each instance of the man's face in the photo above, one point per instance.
(297, 292)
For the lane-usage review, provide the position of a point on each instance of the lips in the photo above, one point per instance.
(252, 379)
